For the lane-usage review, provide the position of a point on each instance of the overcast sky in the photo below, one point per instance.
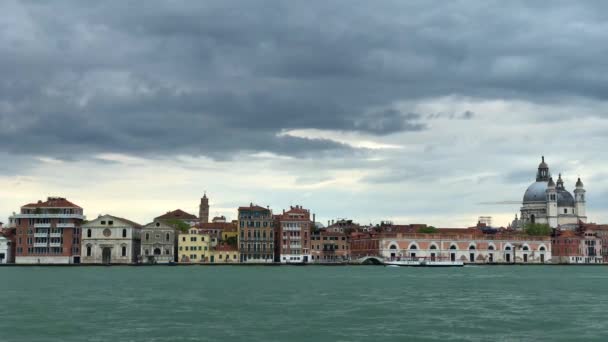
(413, 111)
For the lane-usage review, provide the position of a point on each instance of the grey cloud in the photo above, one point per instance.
(217, 78)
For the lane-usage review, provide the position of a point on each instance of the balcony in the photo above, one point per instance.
(59, 216)
(56, 235)
(40, 244)
(65, 225)
(42, 225)
(55, 244)
(41, 235)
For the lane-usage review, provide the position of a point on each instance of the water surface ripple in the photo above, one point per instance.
(303, 304)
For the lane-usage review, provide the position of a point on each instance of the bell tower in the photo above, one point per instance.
(579, 201)
(203, 210)
(552, 204)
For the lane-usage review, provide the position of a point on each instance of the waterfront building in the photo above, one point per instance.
(48, 232)
(548, 202)
(256, 234)
(577, 247)
(292, 242)
(219, 229)
(224, 254)
(111, 240)
(600, 231)
(180, 215)
(364, 244)
(194, 246)
(158, 243)
(5, 250)
(467, 245)
(329, 246)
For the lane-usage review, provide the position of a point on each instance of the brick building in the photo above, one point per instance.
(292, 241)
(330, 246)
(48, 232)
(256, 234)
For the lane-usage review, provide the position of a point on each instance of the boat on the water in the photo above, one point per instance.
(422, 262)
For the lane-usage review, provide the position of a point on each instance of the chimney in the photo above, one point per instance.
(314, 217)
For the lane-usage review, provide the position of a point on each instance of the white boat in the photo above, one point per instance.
(421, 262)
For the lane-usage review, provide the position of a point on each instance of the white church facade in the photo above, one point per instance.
(548, 202)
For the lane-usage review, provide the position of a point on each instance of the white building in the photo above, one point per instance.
(159, 242)
(5, 250)
(110, 240)
(550, 203)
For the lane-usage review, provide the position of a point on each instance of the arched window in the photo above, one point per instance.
(157, 251)
(89, 251)
(453, 247)
(508, 248)
(124, 234)
(491, 248)
(167, 237)
(146, 252)
(542, 248)
(89, 233)
(124, 251)
(433, 247)
(393, 247)
(413, 247)
(471, 248)
(147, 236)
(526, 248)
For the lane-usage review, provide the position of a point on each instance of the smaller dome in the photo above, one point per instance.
(542, 164)
(564, 199)
(579, 183)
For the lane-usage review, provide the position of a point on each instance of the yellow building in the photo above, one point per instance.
(193, 246)
(224, 254)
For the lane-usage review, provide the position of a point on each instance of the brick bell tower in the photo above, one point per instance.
(203, 210)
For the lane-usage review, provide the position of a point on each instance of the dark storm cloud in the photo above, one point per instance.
(218, 77)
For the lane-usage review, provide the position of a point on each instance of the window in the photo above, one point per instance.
(89, 233)
(124, 251)
(103, 223)
(147, 236)
(167, 237)
(124, 233)
(89, 250)
(565, 211)
(110, 223)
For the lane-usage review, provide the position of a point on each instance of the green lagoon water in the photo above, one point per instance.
(366, 303)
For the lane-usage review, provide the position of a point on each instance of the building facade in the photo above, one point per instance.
(224, 254)
(158, 243)
(256, 234)
(548, 202)
(48, 232)
(111, 240)
(292, 243)
(468, 248)
(580, 247)
(330, 246)
(194, 246)
(5, 250)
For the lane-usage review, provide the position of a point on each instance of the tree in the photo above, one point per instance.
(178, 224)
(427, 230)
(232, 241)
(538, 229)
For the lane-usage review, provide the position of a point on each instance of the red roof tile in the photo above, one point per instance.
(177, 214)
(52, 202)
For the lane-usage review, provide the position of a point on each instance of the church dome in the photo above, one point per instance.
(537, 192)
(564, 199)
